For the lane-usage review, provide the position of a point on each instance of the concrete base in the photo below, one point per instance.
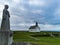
(5, 38)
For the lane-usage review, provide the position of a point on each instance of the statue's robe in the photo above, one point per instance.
(5, 20)
(5, 27)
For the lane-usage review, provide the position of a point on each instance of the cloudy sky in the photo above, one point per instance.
(24, 13)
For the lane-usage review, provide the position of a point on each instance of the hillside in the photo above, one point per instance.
(41, 38)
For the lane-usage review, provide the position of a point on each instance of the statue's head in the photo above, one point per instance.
(6, 6)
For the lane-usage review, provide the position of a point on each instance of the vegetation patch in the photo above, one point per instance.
(36, 38)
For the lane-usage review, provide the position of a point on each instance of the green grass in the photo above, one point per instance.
(26, 37)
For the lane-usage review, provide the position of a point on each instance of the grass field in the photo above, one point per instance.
(40, 40)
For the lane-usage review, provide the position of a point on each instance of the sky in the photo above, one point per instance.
(24, 13)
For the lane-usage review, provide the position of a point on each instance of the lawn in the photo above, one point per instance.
(20, 36)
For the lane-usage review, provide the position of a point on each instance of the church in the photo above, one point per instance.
(34, 28)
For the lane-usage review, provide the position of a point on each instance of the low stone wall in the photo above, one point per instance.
(23, 43)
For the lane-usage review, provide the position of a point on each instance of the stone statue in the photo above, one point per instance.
(5, 20)
(6, 35)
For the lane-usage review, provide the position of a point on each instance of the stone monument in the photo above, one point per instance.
(5, 32)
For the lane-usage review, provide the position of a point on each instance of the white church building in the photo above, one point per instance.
(34, 28)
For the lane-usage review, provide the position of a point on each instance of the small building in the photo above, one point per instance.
(34, 28)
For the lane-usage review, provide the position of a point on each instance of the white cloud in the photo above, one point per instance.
(22, 9)
(1, 10)
(1, 7)
(16, 1)
(57, 13)
(15, 19)
(49, 27)
(37, 11)
(37, 2)
(42, 3)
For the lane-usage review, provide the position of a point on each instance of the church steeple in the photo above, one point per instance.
(36, 23)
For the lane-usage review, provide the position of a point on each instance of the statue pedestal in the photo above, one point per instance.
(6, 37)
